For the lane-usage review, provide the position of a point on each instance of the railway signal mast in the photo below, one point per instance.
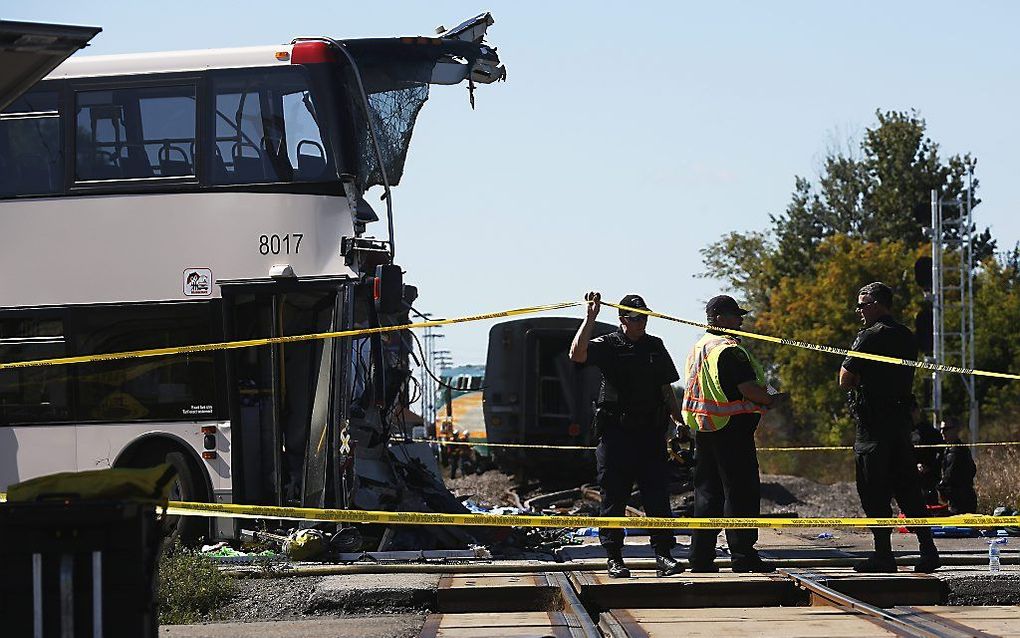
(951, 292)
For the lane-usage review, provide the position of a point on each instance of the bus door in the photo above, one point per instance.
(283, 397)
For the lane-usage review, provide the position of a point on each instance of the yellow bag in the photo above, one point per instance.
(148, 484)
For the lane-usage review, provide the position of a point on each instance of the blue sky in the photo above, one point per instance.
(627, 138)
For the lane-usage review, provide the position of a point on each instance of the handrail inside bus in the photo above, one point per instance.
(371, 129)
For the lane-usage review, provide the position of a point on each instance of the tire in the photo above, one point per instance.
(186, 487)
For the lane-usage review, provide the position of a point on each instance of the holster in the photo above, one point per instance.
(605, 417)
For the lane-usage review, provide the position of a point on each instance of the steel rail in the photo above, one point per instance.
(898, 625)
(580, 623)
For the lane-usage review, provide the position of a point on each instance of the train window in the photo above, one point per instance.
(135, 132)
(31, 155)
(33, 395)
(172, 388)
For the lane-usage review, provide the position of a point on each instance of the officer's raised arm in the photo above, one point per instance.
(579, 346)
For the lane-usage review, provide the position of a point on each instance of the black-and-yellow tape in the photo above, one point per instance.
(764, 448)
(250, 343)
(178, 508)
(935, 367)
(230, 345)
(229, 510)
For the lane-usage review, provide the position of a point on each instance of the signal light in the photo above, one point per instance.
(208, 456)
(312, 52)
(924, 331)
(388, 288)
(922, 214)
(922, 273)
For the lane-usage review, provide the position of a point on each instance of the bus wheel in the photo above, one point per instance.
(186, 487)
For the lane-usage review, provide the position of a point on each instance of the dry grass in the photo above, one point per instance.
(998, 478)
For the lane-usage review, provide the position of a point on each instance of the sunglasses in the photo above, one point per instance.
(634, 319)
(861, 306)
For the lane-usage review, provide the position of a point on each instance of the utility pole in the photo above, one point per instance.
(429, 388)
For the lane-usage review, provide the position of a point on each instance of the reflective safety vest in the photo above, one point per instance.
(705, 406)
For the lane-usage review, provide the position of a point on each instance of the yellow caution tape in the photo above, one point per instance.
(249, 343)
(800, 448)
(230, 345)
(525, 446)
(179, 508)
(936, 367)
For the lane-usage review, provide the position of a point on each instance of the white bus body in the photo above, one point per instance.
(180, 198)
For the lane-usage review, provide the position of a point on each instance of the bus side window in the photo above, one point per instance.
(33, 395)
(135, 133)
(31, 154)
(168, 388)
(266, 128)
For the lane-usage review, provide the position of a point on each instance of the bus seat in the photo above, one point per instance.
(248, 169)
(173, 161)
(310, 167)
(170, 168)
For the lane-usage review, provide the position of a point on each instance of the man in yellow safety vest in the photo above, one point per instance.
(724, 398)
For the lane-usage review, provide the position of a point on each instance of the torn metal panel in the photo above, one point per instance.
(396, 74)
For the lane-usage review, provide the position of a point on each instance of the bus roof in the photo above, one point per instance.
(171, 61)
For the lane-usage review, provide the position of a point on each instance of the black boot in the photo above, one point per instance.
(753, 565)
(929, 562)
(877, 564)
(666, 565)
(615, 566)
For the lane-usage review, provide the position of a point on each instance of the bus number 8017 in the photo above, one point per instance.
(280, 244)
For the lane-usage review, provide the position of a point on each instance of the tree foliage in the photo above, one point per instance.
(857, 223)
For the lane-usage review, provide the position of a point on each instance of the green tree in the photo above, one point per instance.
(855, 225)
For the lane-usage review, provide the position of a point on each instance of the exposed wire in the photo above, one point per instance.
(425, 367)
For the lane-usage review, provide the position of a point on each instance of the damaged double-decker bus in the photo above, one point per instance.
(169, 199)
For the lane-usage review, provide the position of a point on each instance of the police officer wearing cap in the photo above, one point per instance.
(632, 421)
(724, 398)
(880, 402)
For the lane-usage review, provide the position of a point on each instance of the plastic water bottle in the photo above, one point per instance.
(994, 564)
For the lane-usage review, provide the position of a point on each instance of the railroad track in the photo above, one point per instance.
(788, 604)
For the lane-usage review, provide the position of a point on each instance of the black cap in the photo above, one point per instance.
(723, 305)
(633, 301)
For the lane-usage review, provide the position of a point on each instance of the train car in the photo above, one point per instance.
(459, 419)
(534, 394)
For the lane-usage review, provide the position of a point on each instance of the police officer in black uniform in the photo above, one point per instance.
(632, 420)
(956, 486)
(880, 398)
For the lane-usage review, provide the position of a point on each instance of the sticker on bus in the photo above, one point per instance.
(197, 282)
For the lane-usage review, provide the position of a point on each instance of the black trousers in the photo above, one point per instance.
(886, 469)
(634, 452)
(726, 483)
(962, 499)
